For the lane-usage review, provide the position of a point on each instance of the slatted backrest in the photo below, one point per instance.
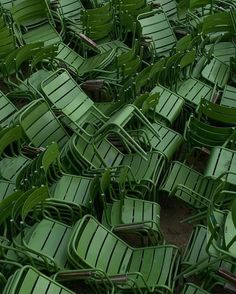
(69, 57)
(99, 248)
(72, 189)
(100, 155)
(9, 136)
(97, 16)
(32, 281)
(156, 26)
(29, 12)
(7, 109)
(192, 90)
(50, 237)
(70, 9)
(6, 188)
(228, 97)
(216, 112)
(202, 134)
(217, 22)
(41, 126)
(65, 94)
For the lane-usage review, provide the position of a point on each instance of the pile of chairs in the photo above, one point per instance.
(108, 107)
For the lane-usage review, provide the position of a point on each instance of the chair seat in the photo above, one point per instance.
(186, 184)
(192, 90)
(45, 33)
(169, 141)
(217, 72)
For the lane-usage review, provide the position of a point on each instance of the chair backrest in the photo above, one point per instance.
(102, 154)
(201, 134)
(217, 22)
(155, 25)
(10, 135)
(7, 43)
(96, 247)
(218, 113)
(28, 279)
(66, 95)
(30, 13)
(7, 109)
(41, 126)
(70, 9)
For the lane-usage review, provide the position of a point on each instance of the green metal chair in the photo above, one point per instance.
(44, 239)
(126, 215)
(33, 22)
(67, 96)
(196, 259)
(216, 72)
(80, 66)
(42, 170)
(145, 269)
(88, 158)
(70, 10)
(168, 141)
(161, 40)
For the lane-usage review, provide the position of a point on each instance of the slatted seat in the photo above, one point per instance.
(113, 158)
(94, 246)
(224, 51)
(217, 72)
(192, 90)
(188, 185)
(167, 143)
(222, 163)
(35, 17)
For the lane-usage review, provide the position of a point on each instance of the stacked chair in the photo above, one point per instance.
(108, 108)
